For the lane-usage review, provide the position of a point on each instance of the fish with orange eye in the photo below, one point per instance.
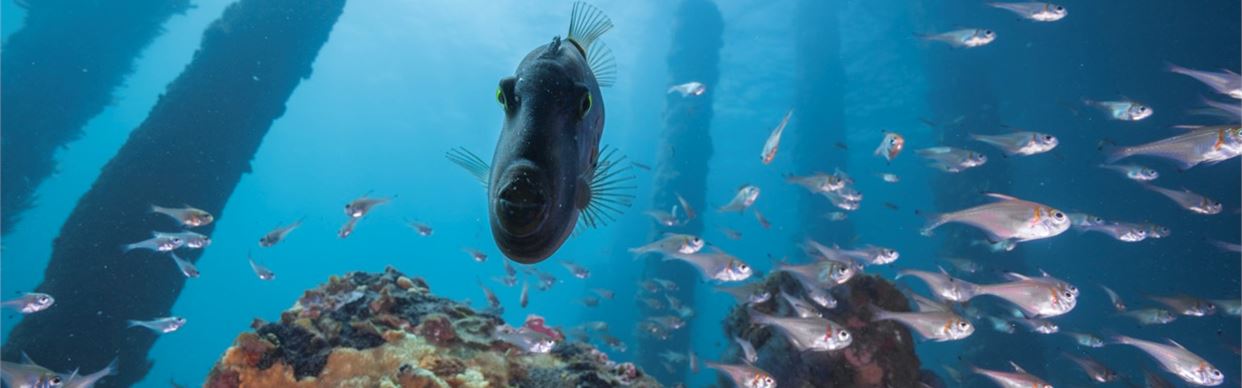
(891, 146)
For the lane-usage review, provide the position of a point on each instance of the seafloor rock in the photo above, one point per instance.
(881, 355)
(388, 330)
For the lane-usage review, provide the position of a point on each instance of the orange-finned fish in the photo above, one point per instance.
(891, 146)
(774, 140)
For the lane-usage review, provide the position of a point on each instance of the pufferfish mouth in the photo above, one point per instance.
(523, 200)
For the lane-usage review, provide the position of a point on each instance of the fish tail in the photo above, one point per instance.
(158, 209)
(879, 314)
(125, 248)
(132, 323)
(934, 221)
(1121, 340)
(1113, 153)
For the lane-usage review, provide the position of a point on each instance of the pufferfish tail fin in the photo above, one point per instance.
(472, 163)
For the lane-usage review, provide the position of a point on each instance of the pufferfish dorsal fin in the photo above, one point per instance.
(472, 163)
(611, 189)
(586, 24)
(602, 64)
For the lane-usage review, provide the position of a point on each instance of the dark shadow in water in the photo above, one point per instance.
(59, 71)
(192, 149)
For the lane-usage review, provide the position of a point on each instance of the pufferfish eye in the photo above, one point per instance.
(500, 98)
(587, 101)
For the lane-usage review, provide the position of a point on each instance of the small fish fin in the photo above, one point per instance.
(602, 64)
(1174, 343)
(26, 359)
(1044, 273)
(1015, 276)
(469, 161)
(1016, 367)
(611, 189)
(586, 24)
(933, 221)
(1001, 196)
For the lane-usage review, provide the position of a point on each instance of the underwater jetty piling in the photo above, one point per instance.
(819, 111)
(685, 148)
(193, 148)
(59, 71)
(958, 86)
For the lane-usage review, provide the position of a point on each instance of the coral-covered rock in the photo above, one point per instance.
(388, 330)
(881, 354)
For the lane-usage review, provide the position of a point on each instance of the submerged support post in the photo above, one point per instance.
(819, 111)
(684, 152)
(58, 72)
(192, 149)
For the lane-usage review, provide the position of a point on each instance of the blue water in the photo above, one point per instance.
(401, 82)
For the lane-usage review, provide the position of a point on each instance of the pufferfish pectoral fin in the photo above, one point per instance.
(472, 163)
(609, 191)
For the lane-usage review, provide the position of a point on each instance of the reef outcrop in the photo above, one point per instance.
(389, 330)
(881, 354)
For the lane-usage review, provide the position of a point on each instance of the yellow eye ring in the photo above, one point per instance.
(500, 98)
(586, 105)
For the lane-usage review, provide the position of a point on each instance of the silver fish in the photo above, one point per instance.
(925, 304)
(475, 254)
(814, 334)
(526, 340)
(1152, 316)
(1120, 231)
(774, 140)
(277, 235)
(1037, 296)
(192, 240)
(348, 228)
(259, 270)
(890, 178)
(665, 218)
(362, 205)
(578, 271)
(1020, 143)
(971, 37)
(822, 273)
(185, 266)
(1187, 305)
(1084, 339)
(160, 325)
(28, 374)
(750, 293)
(715, 265)
(890, 146)
(818, 182)
(1202, 145)
(1177, 360)
(1083, 220)
(963, 264)
(89, 380)
(1133, 171)
(746, 196)
(1094, 369)
(1001, 325)
(1008, 218)
(951, 159)
(1122, 110)
(421, 228)
(672, 243)
(1034, 10)
(188, 216)
(944, 286)
(936, 326)
(744, 376)
(1189, 200)
(524, 297)
(1041, 326)
(158, 244)
(493, 303)
(692, 88)
(1019, 378)
(1225, 82)
(867, 255)
(31, 302)
(685, 207)
(1115, 299)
